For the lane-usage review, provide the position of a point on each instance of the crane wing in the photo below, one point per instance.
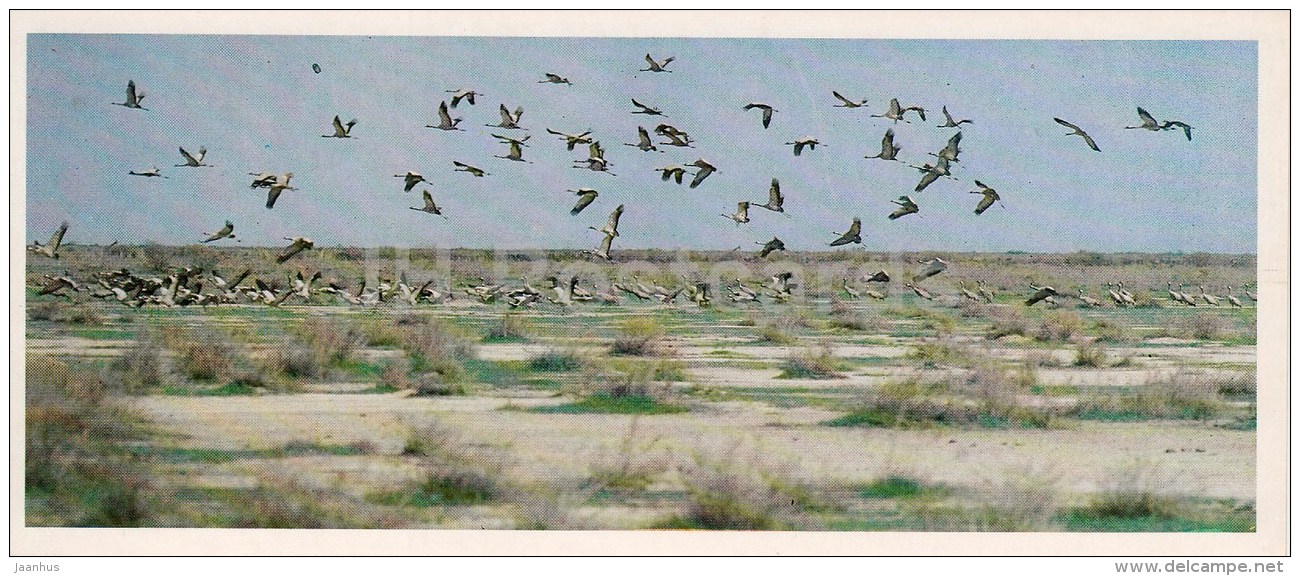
(57, 238)
(585, 199)
(1147, 119)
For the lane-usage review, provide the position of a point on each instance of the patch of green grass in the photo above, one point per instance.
(868, 417)
(100, 333)
(555, 361)
(494, 373)
(438, 489)
(1079, 522)
(720, 353)
(605, 403)
(362, 369)
(178, 455)
(893, 487)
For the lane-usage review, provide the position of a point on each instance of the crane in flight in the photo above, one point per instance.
(853, 236)
(906, 206)
(990, 196)
(133, 97)
(846, 103)
(775, 201)
(767, 111)
(51, 248)
(888, 150)
(192, 161)
(429, 206)
(462, 94)
(742, 214)
(657, 66)
(341, 130)
(950, 123)
(228, 231)
(445, 121)
(1079, 131)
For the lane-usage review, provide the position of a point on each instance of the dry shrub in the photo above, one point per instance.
(947, 352)
(632, 466)
(46, 311)
(1059, 326)
(1026, 499)
(69, 313)
(75, 465)
(845, 316)
(741, 490)
(140, 367)
(986, 396)
(773, 334)
(1039, 358)
(1203, 326)
(455, 471)
(639, 336)
(397, 374)
(1112, 331)
(814, 363)
(556, 361)
(1132, 492)
(513, 327)
(1090, 355)
(1242, 384)
(332, 340)
(1180, 395)
(1006, 322)
(294, 360)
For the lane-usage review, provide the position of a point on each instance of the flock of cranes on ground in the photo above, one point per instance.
(177, 289)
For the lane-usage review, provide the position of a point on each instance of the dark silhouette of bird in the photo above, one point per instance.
(341, 130)
(410, 179)
(509, 121)
(805, 142)
(1174, 125)
(704, 170)
(888, 150)
(853, 236)
(192, 161)
(643, 109)
(133, 97)
(299, 244)
(990, 196)
(775, 200)
(474, 171)
(643, 142)
(773, 245)
(429, 206)
(228, 231)
(767, 111)
(657, 66)
(51, 248)
(950, 123)
(445, 121)
(467, 95)
(907, 206)
(846, 103)
(554, 79)
(572, 140)
(1148, 122)
(1079, 131)
(585, 197)
(742, 213)
(674, 172)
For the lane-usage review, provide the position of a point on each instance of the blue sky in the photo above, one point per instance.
(256, 104)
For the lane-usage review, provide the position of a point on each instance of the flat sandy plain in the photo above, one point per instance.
(824, 413)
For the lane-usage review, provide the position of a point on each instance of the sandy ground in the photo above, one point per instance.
(1190, 458)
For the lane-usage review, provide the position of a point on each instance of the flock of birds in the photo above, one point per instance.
(188, 285)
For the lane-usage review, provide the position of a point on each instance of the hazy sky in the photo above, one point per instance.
(257, 105)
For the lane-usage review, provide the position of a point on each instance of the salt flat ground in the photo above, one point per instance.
(925, 417)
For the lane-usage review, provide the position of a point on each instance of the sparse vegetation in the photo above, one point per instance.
(556, 361)
(813, 363)
(512, 327)
(1090, 355)
(639, 336)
